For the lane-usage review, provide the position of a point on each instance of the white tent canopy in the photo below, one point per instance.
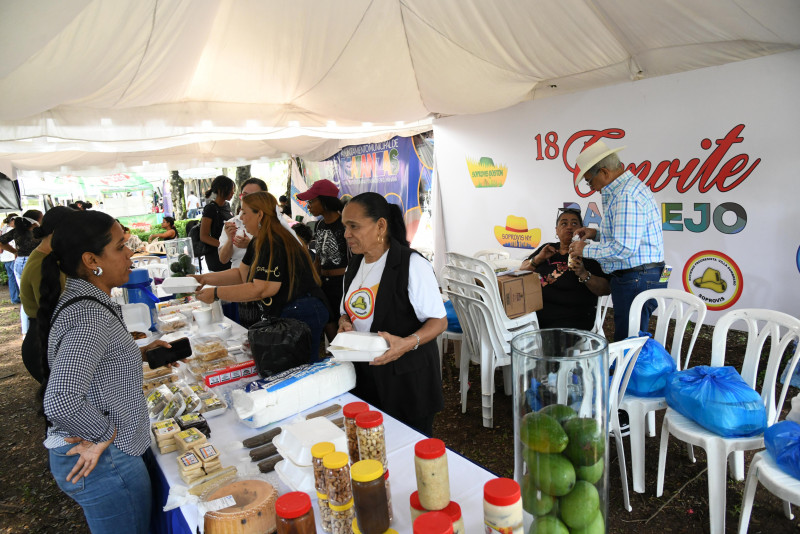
(108, 84)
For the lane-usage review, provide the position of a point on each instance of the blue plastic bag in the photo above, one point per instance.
(783, 444)
(718, 399)
(652, 368)
(452, 319)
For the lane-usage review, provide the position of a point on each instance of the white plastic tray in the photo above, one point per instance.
(296, 477)
(361, 341)
(179, 284)
(295, 441)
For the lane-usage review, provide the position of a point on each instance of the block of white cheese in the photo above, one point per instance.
(277, 397)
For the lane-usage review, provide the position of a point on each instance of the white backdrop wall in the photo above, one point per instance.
(726, 137)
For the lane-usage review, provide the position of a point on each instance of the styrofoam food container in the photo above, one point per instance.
(221, 330)
(296, 477)
(364, 341)
(295, 441)
(179, 284)
(348, 355)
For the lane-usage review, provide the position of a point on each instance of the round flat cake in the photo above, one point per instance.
(253, 513)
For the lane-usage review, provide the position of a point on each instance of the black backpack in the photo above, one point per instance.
(198, 246)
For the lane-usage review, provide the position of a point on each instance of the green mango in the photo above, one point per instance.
(578, 507)
(553, 474)
(175, 267)
(595, 526)
(534, 501)
(587, 443)
(561, 412)
(185, 261)
(542, 433)
(592, 473)
(548, 525)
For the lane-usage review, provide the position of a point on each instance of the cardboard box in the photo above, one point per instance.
(521, 293)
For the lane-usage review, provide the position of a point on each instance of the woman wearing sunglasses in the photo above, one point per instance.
(569, 291)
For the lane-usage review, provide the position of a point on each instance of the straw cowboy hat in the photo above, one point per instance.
(590, 156)
(516, 234)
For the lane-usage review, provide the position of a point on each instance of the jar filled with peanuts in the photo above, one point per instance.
(318, 451)
(337, 479)
(371, 437)
(342, 517)
(324, 512)
(350, 411)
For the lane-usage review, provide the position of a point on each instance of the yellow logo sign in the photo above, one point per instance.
(711, 280)
(484, 173)
(516, 234)
(360, 303)
(720, 284)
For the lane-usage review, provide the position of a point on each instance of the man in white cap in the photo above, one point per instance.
(630, 243)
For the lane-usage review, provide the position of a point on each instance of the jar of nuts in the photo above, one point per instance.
(350, 411)
(371, 437)
(342, 517)
(318, 451)
(337, 479)
(324, 512)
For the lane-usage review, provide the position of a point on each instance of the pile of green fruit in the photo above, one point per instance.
(564, 454)
(182, 267)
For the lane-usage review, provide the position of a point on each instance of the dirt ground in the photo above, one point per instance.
(31, 502)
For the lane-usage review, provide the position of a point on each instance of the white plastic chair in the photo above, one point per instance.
(487, 343)
(600, 314)
(764, 469)
(781, 329)
(485, 275)
(672, 304)
(156, 247)
(468, 352)
(140, 262)
(489, 255)
(619, 384)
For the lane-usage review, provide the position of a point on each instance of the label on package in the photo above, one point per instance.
(290, 376)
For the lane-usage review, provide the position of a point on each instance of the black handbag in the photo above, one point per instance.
(278, 344)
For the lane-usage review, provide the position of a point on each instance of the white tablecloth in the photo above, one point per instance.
(466, 478)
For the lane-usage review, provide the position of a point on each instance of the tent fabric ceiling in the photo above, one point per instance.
(154, 75)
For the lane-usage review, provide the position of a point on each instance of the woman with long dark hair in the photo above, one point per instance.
(30, 283)
(215, 213)
(276, 272)
(24, 243)
(392, 290)
(331, 246)
(98, 430)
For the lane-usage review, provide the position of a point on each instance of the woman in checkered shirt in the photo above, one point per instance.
(97, 425)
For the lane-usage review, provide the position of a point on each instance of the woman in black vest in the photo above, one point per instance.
(212, 223)
(392, 290)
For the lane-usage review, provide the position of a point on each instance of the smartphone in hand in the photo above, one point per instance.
(161, 356)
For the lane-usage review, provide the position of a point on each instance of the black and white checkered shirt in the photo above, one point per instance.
(95, 380)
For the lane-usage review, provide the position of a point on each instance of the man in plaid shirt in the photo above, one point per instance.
(630, 243)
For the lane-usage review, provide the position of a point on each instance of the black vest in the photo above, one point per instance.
(411, 386)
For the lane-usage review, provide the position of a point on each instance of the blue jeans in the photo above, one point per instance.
(115, 497)
(19, 264)
(13, 287)
(314, 313)
(624, 289)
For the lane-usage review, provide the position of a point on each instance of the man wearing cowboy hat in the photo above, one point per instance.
(630, 242)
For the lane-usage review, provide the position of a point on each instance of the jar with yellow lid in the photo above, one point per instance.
(318, 451)
(341, 517)
(324, 512)
(369, 496)
(337, 478)
(356, 530)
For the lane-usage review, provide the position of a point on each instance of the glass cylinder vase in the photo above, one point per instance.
(561, 428)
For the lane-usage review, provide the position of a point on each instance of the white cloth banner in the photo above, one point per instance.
(717, 146)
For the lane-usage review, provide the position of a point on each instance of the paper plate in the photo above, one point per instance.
(179, 284)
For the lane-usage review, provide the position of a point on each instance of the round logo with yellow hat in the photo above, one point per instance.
(516, 234)
(713, 277)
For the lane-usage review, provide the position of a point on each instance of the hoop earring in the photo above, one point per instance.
(97, 271)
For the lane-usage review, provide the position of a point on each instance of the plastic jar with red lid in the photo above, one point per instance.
(433, 478)
(294, 514)
(502, 506)
(433, 523)
(350, 411)
(371, 437)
